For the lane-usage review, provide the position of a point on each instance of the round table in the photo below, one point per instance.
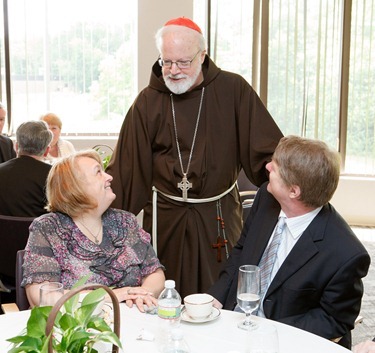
(220, 335)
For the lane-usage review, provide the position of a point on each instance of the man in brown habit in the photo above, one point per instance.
(181, 147)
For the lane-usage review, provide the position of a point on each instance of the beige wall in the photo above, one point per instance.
(154, 15)
(85, 142)
(355, 200)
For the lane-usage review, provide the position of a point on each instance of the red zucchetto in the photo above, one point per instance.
(183, 21)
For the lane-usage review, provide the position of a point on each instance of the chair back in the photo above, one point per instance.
(14, 232)
(247, 193)
(21, 298)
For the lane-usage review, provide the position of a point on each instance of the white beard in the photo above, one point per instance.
(185, 84)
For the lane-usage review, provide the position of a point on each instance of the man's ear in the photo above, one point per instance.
(203, 56)
(294, 192)
(46, 151)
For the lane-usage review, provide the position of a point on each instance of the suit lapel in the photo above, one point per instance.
(302, 252)
(264, 225)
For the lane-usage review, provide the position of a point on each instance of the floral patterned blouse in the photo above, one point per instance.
(58, 251)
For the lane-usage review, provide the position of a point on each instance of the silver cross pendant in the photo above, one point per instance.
(184, 185)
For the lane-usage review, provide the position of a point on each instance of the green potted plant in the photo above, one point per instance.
(105, 153)
(75, 329)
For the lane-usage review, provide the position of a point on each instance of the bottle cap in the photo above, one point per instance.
(170, 283)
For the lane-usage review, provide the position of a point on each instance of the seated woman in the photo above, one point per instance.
(81, 235)
(59, 147)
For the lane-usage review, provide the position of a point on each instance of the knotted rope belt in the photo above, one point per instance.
(155, 192)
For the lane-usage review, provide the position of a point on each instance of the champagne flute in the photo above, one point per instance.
(248, 294)
(50, 293)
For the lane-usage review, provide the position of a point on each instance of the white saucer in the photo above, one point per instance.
(214, 315)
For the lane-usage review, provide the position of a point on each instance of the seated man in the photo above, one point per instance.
(6, 144)
(315, 280)
(23, 179)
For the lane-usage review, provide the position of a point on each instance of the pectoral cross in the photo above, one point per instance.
(184, 185)
(220, 243)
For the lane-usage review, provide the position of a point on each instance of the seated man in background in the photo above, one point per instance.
(314, 281)
(6, 144)
(23, 179)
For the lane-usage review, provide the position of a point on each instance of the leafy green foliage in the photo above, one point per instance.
(105, 157)
(76, 329)
(106, 160)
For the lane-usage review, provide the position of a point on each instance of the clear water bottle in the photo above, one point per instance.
(176, 344)
(169, 312)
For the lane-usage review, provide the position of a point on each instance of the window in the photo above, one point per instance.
(291, 52)
(360, 148)
(231, 41)
(74, 58)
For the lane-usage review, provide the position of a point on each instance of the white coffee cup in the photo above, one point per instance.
(199, 306)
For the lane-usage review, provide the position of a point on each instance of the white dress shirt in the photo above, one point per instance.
(293, 230)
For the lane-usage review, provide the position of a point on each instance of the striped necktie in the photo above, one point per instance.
(269, 256)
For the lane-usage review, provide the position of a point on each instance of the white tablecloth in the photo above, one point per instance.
(219, 336)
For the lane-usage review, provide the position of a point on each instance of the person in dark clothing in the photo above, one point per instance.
(23, 179)
(7, 150)
(179, 153)
(314, 279)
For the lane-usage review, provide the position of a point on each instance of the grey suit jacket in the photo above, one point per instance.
(318, 288)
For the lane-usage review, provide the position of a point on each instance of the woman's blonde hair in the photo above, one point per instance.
(52, 119)
(65, 182)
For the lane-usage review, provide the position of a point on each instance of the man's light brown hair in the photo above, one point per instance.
(311, 165)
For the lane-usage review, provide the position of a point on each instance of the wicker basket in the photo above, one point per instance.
(56, 308)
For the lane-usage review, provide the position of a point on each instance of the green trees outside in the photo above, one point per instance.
(304, 68)
(91, 60)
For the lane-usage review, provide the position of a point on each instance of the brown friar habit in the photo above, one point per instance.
(235, 131)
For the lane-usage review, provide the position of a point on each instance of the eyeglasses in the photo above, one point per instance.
(181, 64)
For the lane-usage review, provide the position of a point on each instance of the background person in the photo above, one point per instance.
(81, 236)
(23, 179)
(59, 147)
(188, 134)
(315, 283)
(6, 144)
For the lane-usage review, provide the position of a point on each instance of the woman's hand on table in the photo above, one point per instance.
(138, 296)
